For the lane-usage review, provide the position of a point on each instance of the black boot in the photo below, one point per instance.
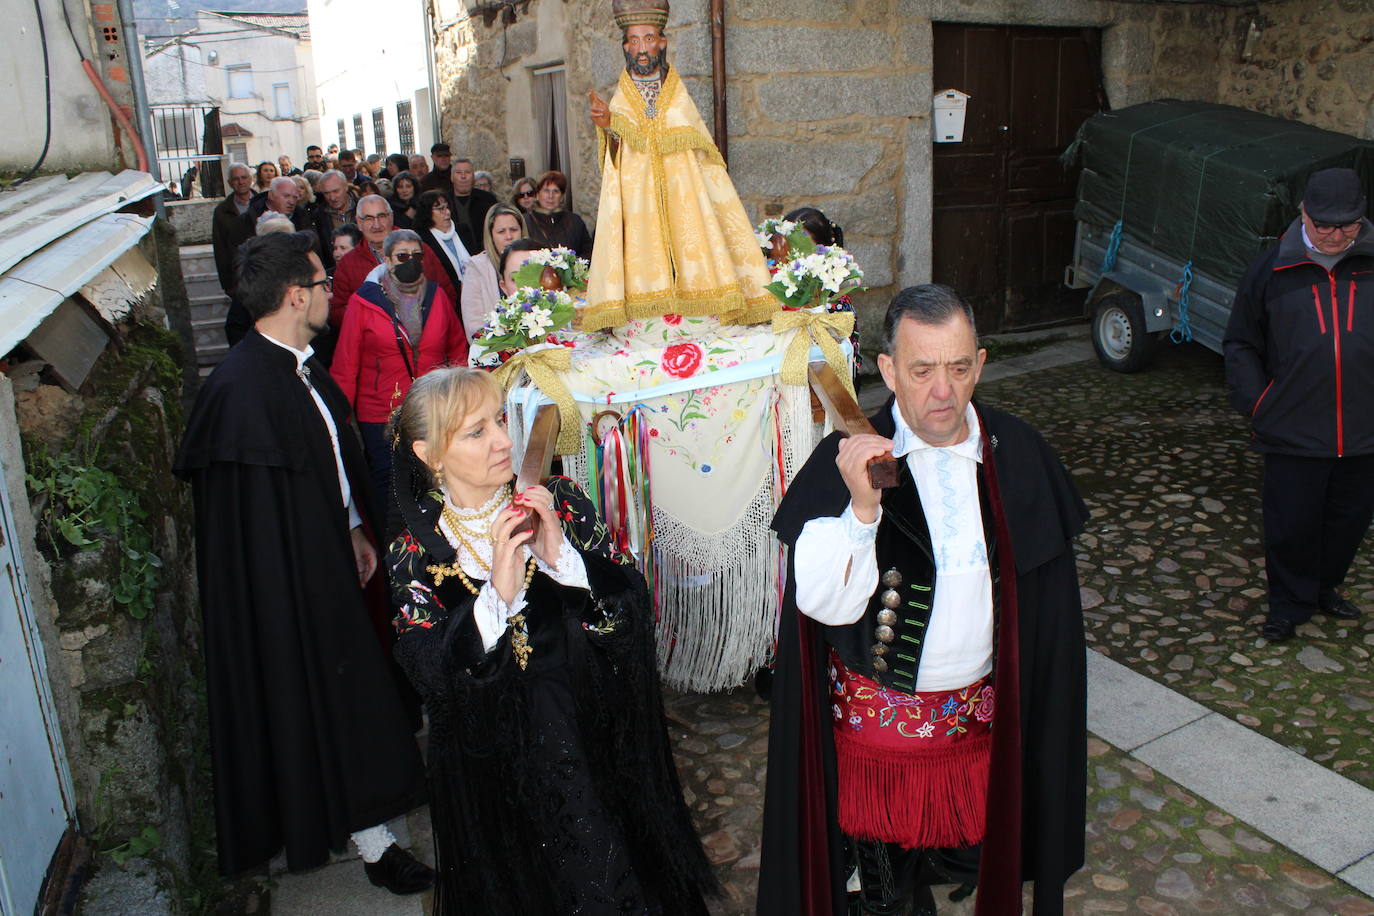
(399, 872)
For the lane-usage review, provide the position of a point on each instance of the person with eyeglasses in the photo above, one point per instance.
(434, 223)
(397, 326)
(551, 223)
(523, 195)
(374, 218)
(310, 741)
(1299, 353)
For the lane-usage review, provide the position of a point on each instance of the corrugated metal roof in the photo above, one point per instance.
(56, 235)
(51, 207)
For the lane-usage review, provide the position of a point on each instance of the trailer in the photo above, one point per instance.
(1175, 200)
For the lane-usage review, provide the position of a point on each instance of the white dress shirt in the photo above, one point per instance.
(958, 642)
(354, 519)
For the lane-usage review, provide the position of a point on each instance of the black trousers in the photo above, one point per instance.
(892, 879)
(1316, 511)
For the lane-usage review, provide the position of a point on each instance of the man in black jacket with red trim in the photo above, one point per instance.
(905, 610)
(1300, 364)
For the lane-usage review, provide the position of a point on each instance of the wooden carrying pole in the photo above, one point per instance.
(539, 449)
(846, 416)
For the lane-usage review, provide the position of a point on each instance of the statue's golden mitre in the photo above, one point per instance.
(640, 12)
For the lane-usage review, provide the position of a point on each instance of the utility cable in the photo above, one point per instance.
(47, 98)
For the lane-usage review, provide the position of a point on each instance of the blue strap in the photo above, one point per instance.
(1114, 243)
(1184, 331)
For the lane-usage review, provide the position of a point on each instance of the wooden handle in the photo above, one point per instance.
(848, 418)
(539, 449)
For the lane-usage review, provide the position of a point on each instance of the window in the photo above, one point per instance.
(378, 130)
(240, 81)
(238, 152)
(343, 137)
(551, 121)
(176, 130)
(281, 98)
(405, 125)
(357, 131)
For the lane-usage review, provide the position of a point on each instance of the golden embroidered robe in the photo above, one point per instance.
(672, 236)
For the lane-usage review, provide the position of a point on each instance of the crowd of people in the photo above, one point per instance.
(445, 200)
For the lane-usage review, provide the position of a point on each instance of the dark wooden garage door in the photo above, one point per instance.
(1003, 204)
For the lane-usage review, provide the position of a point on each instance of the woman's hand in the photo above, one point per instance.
(548, 533)
(507, 567)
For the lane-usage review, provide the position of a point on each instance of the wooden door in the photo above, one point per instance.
(1003, 204)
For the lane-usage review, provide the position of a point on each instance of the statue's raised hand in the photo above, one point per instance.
(600, 111)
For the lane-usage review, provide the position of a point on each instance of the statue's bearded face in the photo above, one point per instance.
(646, 50)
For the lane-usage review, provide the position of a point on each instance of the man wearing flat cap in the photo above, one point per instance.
(1300, 364)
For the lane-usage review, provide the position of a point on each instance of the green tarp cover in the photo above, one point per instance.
(1201, 182)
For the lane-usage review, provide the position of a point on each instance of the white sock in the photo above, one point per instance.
(372, 842)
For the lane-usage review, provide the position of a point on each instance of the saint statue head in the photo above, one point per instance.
(642, 39)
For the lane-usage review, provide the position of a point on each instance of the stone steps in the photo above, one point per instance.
(208, 305)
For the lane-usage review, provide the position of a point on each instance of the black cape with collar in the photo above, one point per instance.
(1036, 513)
(309, 738)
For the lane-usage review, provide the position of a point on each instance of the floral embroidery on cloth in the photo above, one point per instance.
(874, 714)
(929, 750)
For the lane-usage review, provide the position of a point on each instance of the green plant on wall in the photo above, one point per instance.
(81, 502)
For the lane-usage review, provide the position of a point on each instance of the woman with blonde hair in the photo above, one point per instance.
(523, 194)
(551, 778)
(481, 284)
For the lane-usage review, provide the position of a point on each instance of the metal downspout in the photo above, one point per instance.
(717, 77)
(434, 134)
(133, 54)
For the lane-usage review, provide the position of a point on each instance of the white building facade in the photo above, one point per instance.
(371, 68)
(257, 68)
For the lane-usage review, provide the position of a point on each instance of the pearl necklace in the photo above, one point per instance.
(520, 634)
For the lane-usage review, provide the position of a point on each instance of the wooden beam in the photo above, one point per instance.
(539, 449)
(848, 418)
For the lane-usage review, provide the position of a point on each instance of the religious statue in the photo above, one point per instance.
(672, 236)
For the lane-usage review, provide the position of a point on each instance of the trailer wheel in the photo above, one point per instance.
(1119, 335)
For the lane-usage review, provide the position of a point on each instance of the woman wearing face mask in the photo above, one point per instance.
(481, 290)
(397, 327)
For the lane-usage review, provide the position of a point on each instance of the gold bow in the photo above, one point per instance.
(543, 366)
(826, 329)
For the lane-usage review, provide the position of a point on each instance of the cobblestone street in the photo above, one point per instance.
(1173, 586)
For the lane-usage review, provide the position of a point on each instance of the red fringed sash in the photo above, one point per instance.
(912, 768)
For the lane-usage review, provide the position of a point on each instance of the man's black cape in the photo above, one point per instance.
(1042, 800)
(309, 737)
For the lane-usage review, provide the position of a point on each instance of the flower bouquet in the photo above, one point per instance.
(554, 268)
(527, 318)
(806, 275)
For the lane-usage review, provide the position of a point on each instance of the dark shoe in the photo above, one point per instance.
(1341, 609)
(1277, 630)
(399, 872)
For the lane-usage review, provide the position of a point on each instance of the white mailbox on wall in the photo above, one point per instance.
(949, 106)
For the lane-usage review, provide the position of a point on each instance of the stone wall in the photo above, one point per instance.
(828, 101)
(126, 681)
(1311, 60)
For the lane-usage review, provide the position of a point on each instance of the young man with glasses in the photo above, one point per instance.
(1300, 364)
(310, 741)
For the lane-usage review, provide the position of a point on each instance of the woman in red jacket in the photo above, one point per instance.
(396, 327)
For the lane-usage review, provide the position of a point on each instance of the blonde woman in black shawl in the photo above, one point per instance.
(552, 784)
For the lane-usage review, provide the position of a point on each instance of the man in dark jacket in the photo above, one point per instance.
(438, 178)
(309, 740)
(1300, 364)
(905, 610)
(229, 228)
(468, 205)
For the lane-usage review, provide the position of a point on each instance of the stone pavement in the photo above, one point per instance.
(1226, 775)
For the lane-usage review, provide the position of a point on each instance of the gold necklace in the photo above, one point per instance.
(482, 511)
